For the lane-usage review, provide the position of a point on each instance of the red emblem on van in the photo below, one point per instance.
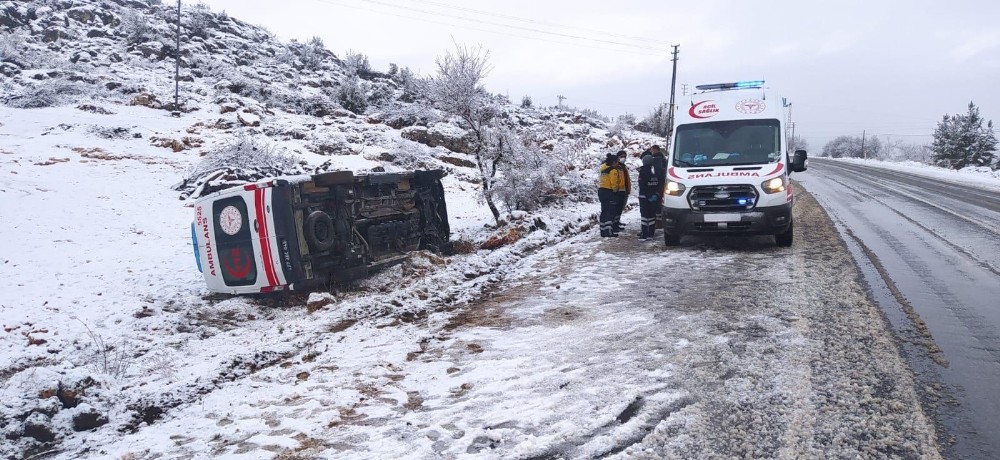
(703, 109)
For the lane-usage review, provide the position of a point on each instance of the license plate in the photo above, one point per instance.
(722, 217)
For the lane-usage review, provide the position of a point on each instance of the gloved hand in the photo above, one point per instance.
(653, 198)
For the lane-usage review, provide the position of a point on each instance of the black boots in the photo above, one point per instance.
(608, 229)
(647, 232)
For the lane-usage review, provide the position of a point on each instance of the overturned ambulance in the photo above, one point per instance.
(304, 232)
(729, 165)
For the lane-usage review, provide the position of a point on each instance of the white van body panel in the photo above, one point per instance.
(214, 261)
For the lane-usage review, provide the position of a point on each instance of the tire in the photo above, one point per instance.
(319, 231)
(784, 239)
(671, 239)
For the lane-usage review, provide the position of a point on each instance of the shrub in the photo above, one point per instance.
(244, 159)
(200, 21)
(48, 93)
(357, 64)
(381, 95)
(109, 359)
(353, 94)
(11, 46)
(413, 89)
(317, 106)
(528, 177)
(312, 53)
(526, 102)
(136, 27)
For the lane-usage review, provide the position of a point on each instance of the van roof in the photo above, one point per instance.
(732, 101)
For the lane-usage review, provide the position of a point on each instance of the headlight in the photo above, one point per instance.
(675, 188)
(774, 185)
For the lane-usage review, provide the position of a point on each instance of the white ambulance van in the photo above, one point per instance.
(728, 166)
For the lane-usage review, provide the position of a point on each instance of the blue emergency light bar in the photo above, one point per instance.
(737, 84)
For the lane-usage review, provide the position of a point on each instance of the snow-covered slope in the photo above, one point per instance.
(106, 325)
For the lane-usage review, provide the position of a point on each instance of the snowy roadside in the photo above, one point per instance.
(107, 326)
(554, 345)
(583, 353)
(979, 176)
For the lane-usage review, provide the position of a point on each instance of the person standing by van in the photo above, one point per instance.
(654, 188)
(609, 183)
(621, 197)
(650, 191)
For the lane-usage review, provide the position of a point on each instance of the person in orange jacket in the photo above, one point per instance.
(621, 198)
(610, 182)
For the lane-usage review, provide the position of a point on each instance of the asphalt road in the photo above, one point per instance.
(930, 252)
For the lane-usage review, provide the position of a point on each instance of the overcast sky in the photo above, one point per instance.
(887, 67)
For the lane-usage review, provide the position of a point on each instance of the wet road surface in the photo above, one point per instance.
(930, 251)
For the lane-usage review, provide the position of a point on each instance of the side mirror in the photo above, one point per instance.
(800, 161)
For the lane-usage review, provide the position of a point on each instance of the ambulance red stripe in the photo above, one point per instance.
(265, 242)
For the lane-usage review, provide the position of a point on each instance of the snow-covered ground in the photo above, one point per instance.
(978, 176)
(105, 316)
(530, 349)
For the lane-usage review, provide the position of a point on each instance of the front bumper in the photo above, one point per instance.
(769, 220)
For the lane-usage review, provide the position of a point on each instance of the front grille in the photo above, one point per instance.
(722, 198)
(715, 227)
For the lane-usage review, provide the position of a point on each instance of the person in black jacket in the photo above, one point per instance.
(651, 180)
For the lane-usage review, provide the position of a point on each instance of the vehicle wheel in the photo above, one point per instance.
(670, 239)
(784, 239)
(319, 231)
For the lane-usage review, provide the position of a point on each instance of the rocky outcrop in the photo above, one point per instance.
(440, 135)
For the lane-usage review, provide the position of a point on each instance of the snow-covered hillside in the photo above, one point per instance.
(107, 325)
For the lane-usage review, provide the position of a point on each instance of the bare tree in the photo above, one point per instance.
(457, 89)
(796, 142)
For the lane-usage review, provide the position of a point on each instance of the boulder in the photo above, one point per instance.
(81, 15)
(54, 35)
(11, 18)
(340, 113)
(455, 161)
(88, 419)
(248, 119)
(440, 135)
(156, 50)
(80, 56)
(146, 100)
(39, 427)
(9, 69)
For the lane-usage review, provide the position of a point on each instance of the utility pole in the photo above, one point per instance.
(673, 86)
(684, 89)
(863, 154)
(791, 124)
(560, 97)
(794, 142)
(177, 66)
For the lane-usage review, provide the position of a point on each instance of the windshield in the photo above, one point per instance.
(727, 143)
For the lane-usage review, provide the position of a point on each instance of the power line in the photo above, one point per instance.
(500, 24)
(635, 47)
(533, 21)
